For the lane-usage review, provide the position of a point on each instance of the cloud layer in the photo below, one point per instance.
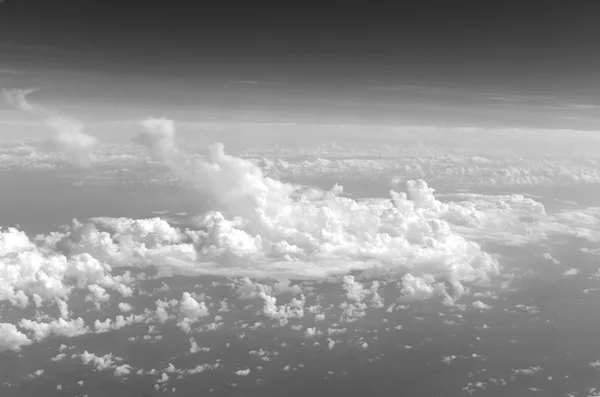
(263, 228)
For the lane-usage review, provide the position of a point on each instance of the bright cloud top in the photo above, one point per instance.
(258, 227)
(69, 137)
(263, 223)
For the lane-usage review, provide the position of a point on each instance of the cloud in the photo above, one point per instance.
(123, 370)
(11, 338)
(69, 137)
(286, 228)
(60, 327)
(527, 371)
(450, 170)
(246, 82)
(266, 232)
(11, 71)
(100, 363)
(425, 245)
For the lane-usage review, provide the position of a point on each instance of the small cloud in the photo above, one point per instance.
(571, 272)
(11, 71)
(247, 82)
(582, 106)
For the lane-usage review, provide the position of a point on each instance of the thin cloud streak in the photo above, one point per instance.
(12, 71)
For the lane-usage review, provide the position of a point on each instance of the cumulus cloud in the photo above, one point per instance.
(11, 338)
(60, 327)
(481, 306)
(262, 228)
(288, 229)
(191, 310)
(100, 363)
(69, 137)
(123, 370)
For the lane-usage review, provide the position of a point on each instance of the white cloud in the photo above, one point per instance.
(312, 332)
(123, 370)
(547, 256)
(68, 138)
(100, 363)
(262, 228)
(191, 310)
(11, 338)
(481, 306)
(285, 228)
(243, 372)
(120, 322)
(571, 272)
(59, 357)
(125, 307)
(194, 348)
(59, 327)
(527, 371)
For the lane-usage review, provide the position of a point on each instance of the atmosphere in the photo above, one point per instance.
(273, 198)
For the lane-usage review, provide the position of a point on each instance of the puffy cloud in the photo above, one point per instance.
(481, 306)
(312, 332)
(11, 338)
(261, 227)
(571, 272)
(123, 370)
(527, 371)
(191, 310)
(120, 322)
(194, 348)
(100, 363)
(50, 266)
(125, 307)
(69, 137)
(60, 327)
(59, 357)
(330, 343)
(354, 291)
(287, 229)
(293, 309)
(97, 295)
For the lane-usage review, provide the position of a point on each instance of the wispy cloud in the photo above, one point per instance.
(11, 71)
(246, 82)
(69, 137)
(582, 106)
(447, 90)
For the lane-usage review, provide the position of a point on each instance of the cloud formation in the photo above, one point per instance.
(259, 227)
(285, 228)
(69, 137)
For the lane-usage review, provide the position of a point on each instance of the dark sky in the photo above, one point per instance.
(444, 53)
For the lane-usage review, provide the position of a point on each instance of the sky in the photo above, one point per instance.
(286, 198)
(460, 64)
